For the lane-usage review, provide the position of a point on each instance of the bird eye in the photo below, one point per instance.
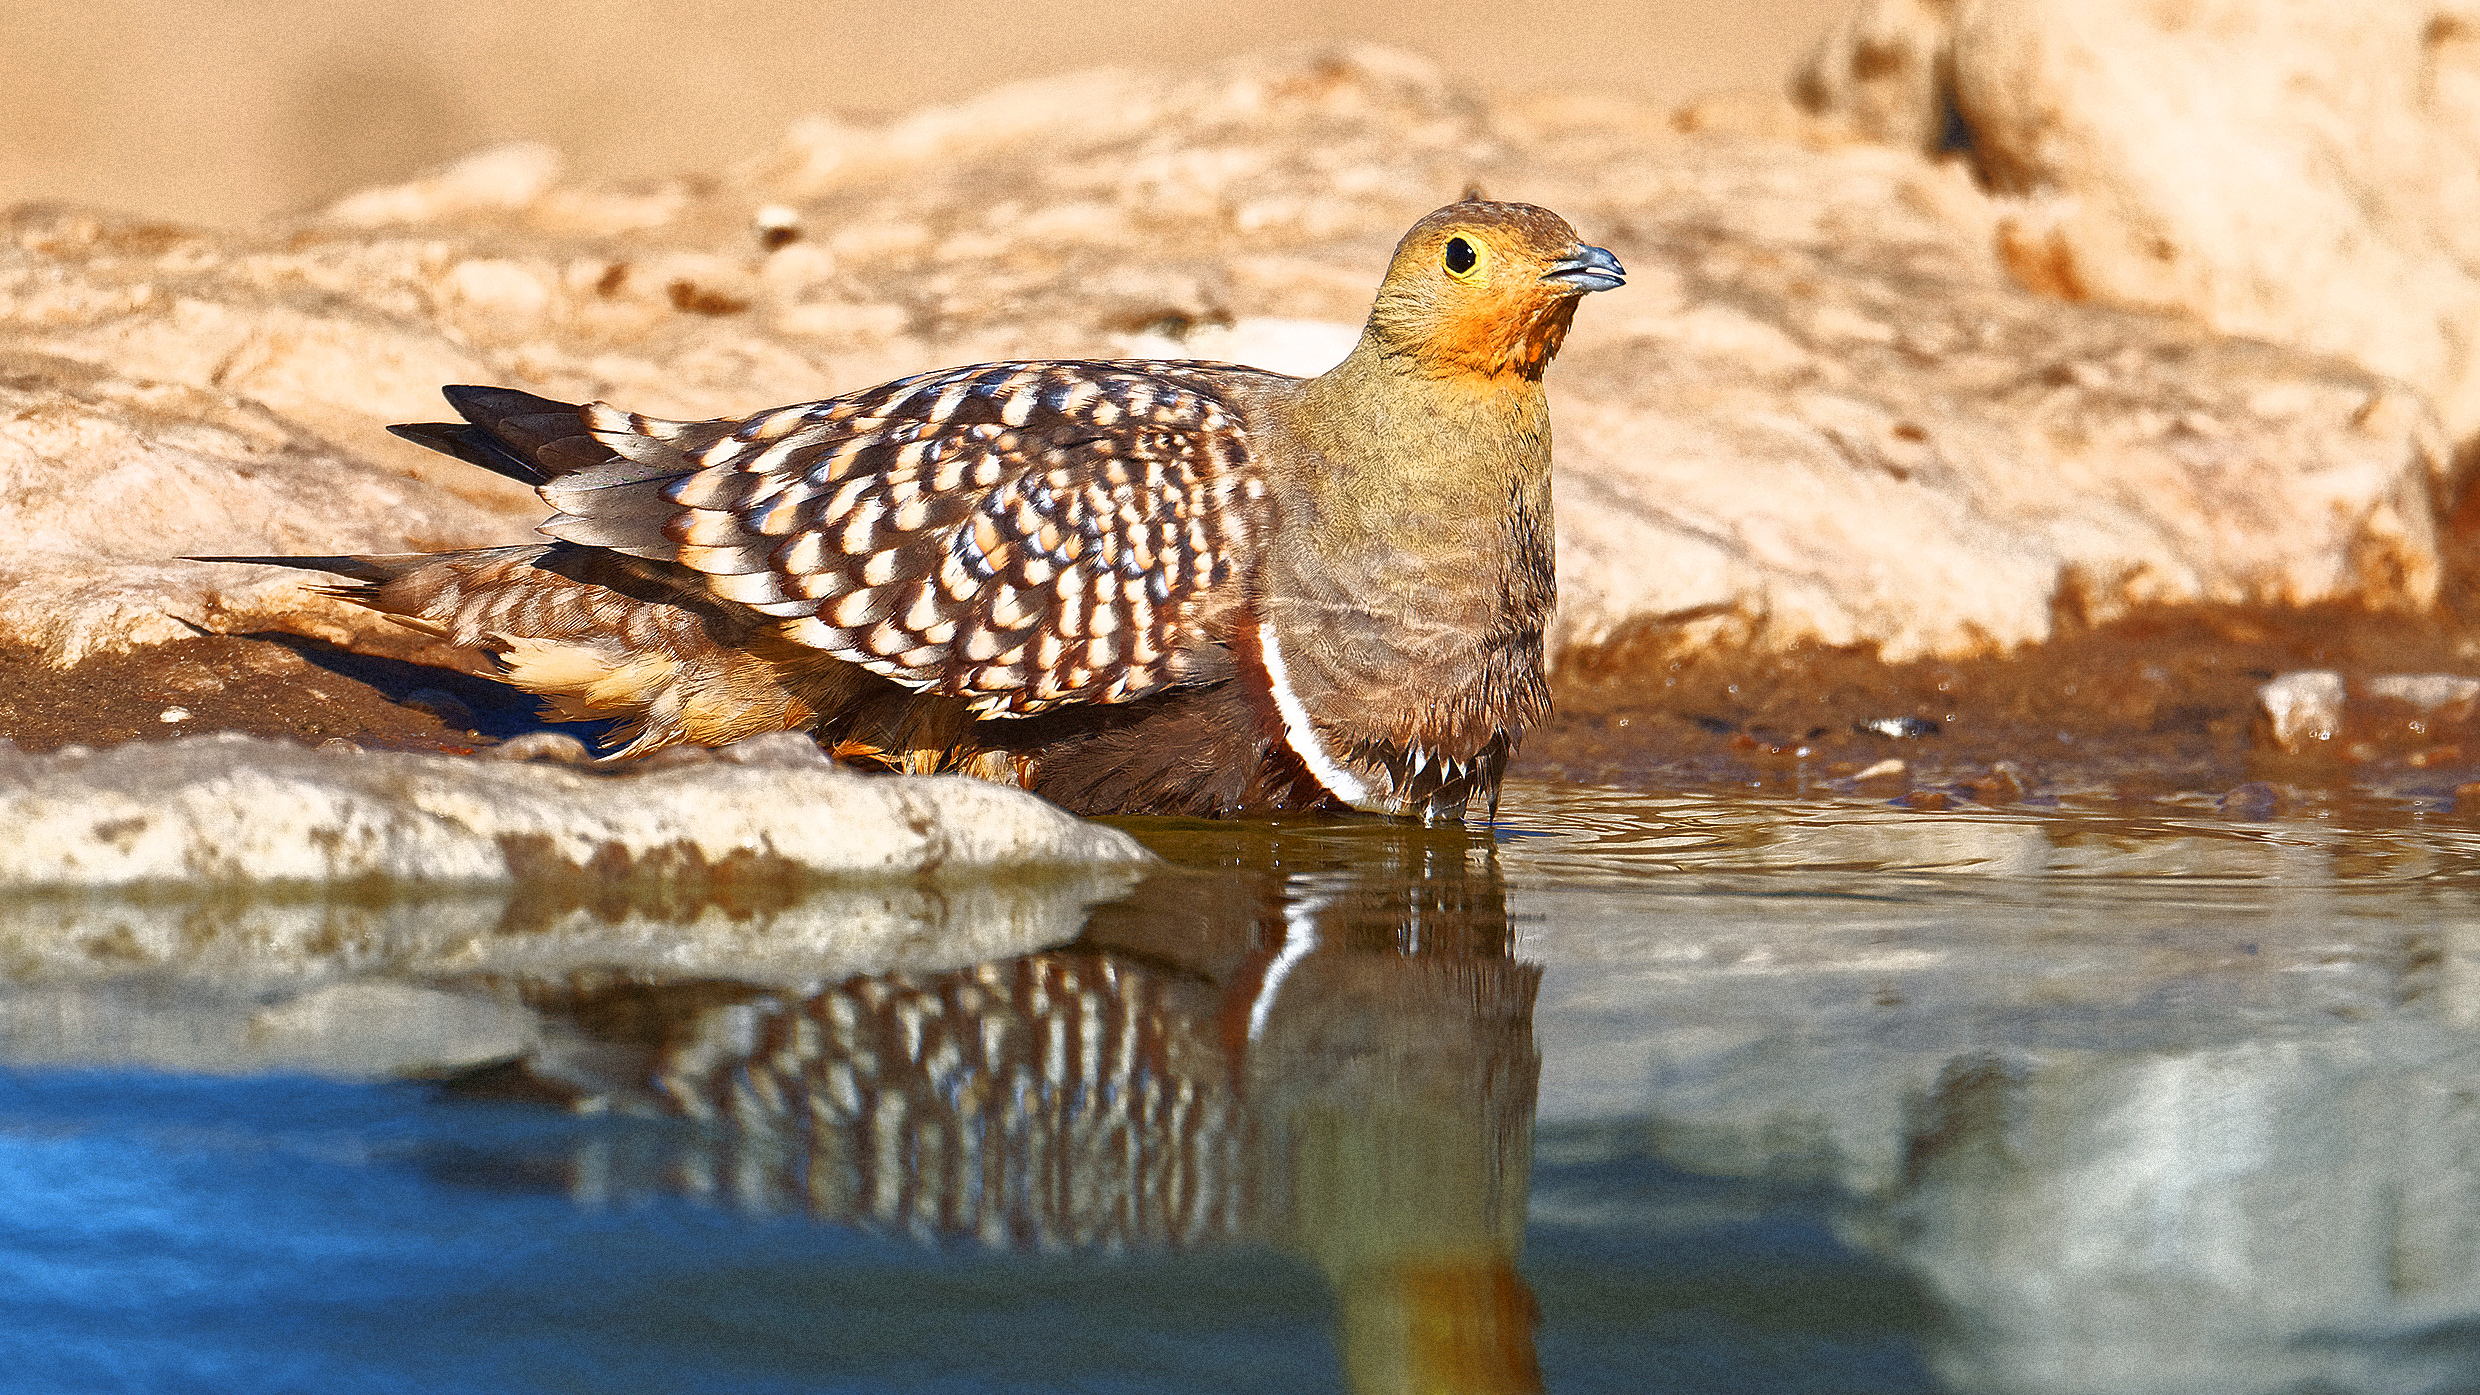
(1462, 259)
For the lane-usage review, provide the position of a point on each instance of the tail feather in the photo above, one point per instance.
(607, 484)
(474, 446)
(602, 622)
(532, 440)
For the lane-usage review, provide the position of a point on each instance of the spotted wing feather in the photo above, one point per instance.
(1017, 535)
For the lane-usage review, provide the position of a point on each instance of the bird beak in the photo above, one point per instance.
(1586, 269)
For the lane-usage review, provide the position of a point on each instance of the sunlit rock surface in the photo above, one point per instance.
(106, 477)
(1822, 409)
(2306, 173)
(234, 809)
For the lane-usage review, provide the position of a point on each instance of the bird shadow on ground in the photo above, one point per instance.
(264, 684)
(455, 700)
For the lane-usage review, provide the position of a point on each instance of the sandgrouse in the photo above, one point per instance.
(1132, 587)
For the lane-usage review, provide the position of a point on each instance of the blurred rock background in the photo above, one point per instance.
(228, 113)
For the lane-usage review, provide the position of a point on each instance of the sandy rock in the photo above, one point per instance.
(1865, 434)
(104, 480)
(1822, 410)
(234, 809)
(2304, 173)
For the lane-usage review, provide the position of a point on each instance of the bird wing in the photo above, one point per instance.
(1018, 535)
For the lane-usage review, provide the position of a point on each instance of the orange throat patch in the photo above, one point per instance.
(1517, 331)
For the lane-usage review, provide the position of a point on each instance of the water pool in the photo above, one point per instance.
(1681, 1093)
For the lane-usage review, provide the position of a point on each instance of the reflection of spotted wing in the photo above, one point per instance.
(1019, 535)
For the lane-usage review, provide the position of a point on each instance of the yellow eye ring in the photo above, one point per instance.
(1465, 259)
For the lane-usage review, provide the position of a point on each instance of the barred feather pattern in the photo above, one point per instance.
(1017, 535)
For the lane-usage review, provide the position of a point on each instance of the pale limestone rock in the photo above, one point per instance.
(2307, 173)
(233, 809)
(504, 177)
(233, 904)
(1830, 414)
(2303, 707)
(105, 480)
(1822, 410)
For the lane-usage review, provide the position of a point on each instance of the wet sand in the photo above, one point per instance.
(2161, 705)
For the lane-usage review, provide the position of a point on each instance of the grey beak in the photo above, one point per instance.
(1586, 269)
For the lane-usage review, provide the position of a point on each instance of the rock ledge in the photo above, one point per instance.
(234, 809)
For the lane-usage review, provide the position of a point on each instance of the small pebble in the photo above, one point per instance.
(1928, 801)
(778, 225)
(1887, 769)
(2253, 800)
(173, 714)
(2304, 707)
(2004, 784)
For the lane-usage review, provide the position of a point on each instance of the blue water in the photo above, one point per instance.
(168, 1233)
(1682, 1095)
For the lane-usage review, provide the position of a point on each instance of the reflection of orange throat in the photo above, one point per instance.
(1515, 333)
(1448, 1323)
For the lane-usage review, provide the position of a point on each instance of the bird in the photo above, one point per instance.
(1130, 586)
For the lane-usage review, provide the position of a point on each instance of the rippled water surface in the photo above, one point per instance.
(1636, 1093)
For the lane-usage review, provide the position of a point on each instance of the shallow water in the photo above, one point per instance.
(1684, 1093)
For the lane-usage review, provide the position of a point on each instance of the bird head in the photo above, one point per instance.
(1486, 288)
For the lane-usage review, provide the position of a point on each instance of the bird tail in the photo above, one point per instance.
(604, 470)
(532, 440)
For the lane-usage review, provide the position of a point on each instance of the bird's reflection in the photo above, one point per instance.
(1307, 1035)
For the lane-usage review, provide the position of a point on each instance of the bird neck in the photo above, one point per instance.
(1403, 596)
(1404, 446)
